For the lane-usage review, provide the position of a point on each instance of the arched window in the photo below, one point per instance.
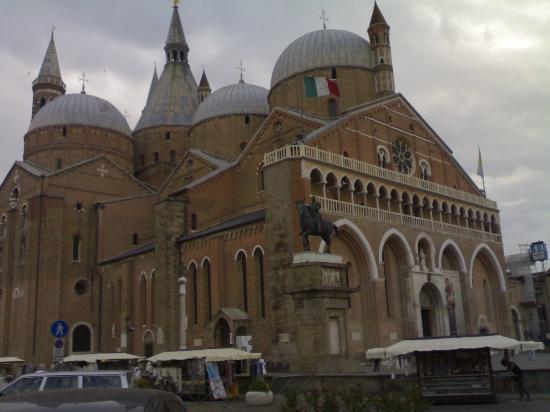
(193, 271)
(172, 157)
(148, 344)
(424, 170)
(152, 292)
(208, 288)
(383, 157)
(194, 223)
(24, 216)
(82, 339)
(259, 256)
(333, 73)
(76, 249)
(332, 108)
(143, 299)
(241, 259)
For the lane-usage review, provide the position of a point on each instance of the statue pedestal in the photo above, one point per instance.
(316, 258)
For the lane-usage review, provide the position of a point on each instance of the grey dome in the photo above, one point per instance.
(240, 98)
(319, 49)
(174, 99)
(81, 109)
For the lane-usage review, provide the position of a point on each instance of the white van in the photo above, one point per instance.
(44, 381)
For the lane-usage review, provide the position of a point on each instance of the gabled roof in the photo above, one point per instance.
(246, 219)
(217, 161)
(139, 250)
(368, 106)
(33, 168)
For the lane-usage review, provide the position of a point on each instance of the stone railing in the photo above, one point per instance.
(337, 207)
(314, 153)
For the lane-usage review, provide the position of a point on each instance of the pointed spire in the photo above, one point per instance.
(176, 46)
(377, 17)
(204, 81)
(154, 82)
(50, 64)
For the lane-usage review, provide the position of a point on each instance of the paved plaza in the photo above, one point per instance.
(540, 403)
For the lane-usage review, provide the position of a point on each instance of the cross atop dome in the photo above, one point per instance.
(241, 69)
(325, 19)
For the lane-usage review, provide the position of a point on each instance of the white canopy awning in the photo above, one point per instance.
(405, 347)
(531, 345)
(211, 355)
(11, 360)
(101, 357)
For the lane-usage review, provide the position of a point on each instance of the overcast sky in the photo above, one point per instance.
(477, 70)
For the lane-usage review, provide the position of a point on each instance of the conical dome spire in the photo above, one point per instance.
(154, 82)
(50, 64)
(204, 80)
(176, 47)
(377, 16)
(49, 84)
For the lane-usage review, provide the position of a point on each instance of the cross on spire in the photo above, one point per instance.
(325, 19)
(84, 80)
(53, 29)
(241, 69)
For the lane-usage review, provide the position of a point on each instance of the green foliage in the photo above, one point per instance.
(410, 400)
(258, 386)
(353, 400)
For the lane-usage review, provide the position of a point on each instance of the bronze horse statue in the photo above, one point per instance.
(311, 223)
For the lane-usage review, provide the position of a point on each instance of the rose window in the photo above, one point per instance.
(402, 157)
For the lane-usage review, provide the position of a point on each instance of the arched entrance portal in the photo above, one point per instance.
(431, 311)
(82, 339)
(222, 334)
(148, 344)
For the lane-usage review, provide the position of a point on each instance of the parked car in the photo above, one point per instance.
(46, 381)
(94, 400)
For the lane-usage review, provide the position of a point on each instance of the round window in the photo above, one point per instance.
(81, 287)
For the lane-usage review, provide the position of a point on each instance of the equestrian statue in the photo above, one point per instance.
(311, 223)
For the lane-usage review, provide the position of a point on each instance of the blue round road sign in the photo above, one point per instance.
(59, 329)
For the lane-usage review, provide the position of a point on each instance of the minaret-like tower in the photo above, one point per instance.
(379, 35)
(204, 89)
(48, 85)
(176, 47)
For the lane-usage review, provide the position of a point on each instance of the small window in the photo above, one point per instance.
(246, 119)
(76, 249)
(332, 108)
(156, 157)
(346, 154)
(79, 207)
(81, 287)
(168, 137)
(334, 74)
(173, 157)
(194, 221)
(64, 132)
(381, 60)
(58, 164)
(135, 239)
(42, 102)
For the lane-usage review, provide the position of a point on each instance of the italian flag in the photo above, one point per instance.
(321, 86)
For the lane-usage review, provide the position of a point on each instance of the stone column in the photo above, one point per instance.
(182, 281)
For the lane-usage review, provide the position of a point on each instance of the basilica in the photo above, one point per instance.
(184, 233)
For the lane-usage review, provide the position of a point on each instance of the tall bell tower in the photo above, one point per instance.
(379, 35)
(49, 84)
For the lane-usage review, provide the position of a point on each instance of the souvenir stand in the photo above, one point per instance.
(199, 374)
(10, 367)
(454, 369)
(102, 361)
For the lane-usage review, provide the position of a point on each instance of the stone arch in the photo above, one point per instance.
(402, 239)
(430, 242)
(483, 247)
(148, 340)
(142, 275)
(191, 263)
(237, 254)
(222, 333)
(82, 337)
(256, 248)
(364, 244)
(453, 245)
(432, 314)
(206, 259)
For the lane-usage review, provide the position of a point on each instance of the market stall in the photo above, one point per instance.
(454, 369)
(10, 368)
(200, 373)
(102, 361)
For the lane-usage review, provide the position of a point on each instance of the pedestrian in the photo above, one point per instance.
(518, 377)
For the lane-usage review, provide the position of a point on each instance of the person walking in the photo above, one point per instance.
(518, 377)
